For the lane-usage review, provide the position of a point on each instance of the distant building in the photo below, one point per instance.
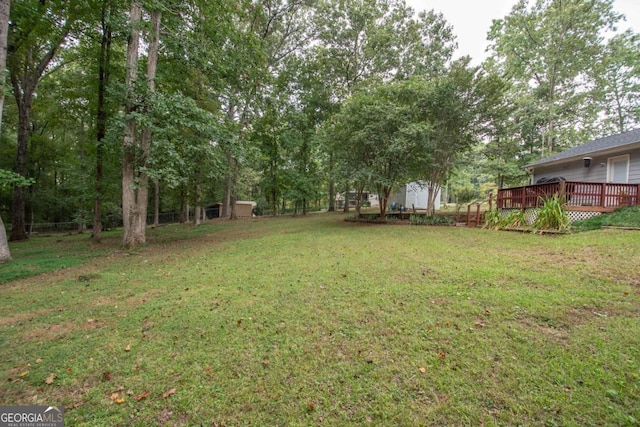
(414, 195)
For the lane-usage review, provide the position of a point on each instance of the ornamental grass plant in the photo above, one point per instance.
(552, 215)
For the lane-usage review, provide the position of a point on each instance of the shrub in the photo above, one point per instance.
(495, 220)
(553, 215)
(430, 220)
(514, 219)
(492, 219)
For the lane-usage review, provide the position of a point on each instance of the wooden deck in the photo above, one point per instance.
(580, 196)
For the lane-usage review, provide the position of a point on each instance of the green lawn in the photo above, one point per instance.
(318, 321)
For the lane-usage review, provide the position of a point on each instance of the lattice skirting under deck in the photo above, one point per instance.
(531, 214)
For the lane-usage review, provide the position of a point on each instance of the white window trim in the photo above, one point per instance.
(610, 162)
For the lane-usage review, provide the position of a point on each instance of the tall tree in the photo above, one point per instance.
(104, 74)
(460, 108)
(618, 82)
(38, 30)
(271, 31)
(5, 253)
(381, 137)
(137, 139)
(414, 130)
(547, 48)
(5, 7)
(132, 200)
(367, 42)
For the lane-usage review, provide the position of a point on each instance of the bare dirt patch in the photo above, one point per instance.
(29, 315)
(57, 331)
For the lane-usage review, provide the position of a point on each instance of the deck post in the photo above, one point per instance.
(562, 191)
(524, 198)
(603, 195)
(638, 195)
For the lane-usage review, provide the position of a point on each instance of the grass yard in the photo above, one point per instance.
(318, 321)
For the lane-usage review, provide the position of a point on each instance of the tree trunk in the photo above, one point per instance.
(332, 196)
(104, 71)
(26, 72)
(226, 203)
(619, 109)
(346, 199)
(5, 253)
(186, 211)
(433, 193)
(359, 192)
(384, 200)
(18, 229)
(234, 190)
(135, 181)
(130, 214)
(332, 189)
(5, 6)
(156, 203)
(197, 214)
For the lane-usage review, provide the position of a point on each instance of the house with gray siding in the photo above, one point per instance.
(614, 159)
(597, 176)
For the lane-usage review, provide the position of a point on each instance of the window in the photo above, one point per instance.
(618, 169)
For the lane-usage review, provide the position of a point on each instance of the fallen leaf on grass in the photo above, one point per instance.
(50, 378)
(168, 393)
(423, 370)
(142, 396)
(442, 355)
(127, 348)
(116, 398)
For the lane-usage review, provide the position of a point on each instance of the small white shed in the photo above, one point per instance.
(415, 195)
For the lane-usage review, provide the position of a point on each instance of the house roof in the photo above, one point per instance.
(608, 143)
